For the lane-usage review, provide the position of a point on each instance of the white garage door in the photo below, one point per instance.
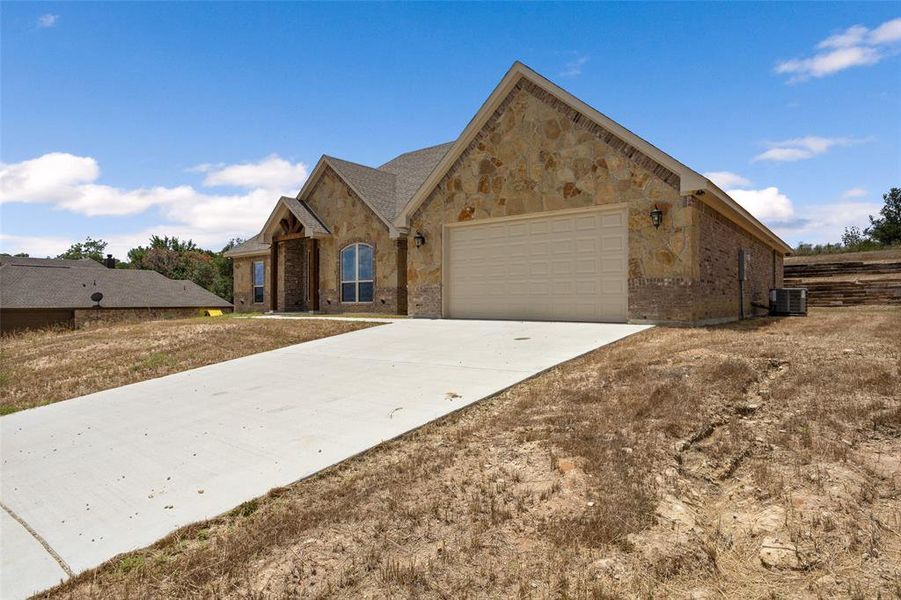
(569, 266)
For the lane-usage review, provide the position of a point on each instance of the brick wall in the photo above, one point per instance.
(293, 274)
(242, 271)
(718, 296)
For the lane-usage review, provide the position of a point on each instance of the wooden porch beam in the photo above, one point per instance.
(288, 236)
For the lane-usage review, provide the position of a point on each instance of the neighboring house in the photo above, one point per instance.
(37, 292)
(543, 208)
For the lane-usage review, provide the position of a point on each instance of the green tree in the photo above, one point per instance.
(886, 230)
(852, 237)
(90, 248)
(183, 259)
(223, 286)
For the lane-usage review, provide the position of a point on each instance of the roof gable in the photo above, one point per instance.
(312, 224)
(375, 187)
(687, 181)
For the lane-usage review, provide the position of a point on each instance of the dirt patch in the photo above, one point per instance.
(42, 367)
(753, 460)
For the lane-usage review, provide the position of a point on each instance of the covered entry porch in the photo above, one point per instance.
(293, 232)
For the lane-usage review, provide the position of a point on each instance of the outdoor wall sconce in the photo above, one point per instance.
(419, 239)
(656, 217)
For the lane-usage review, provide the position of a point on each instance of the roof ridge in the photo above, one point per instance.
(356, 164)
(433, 146)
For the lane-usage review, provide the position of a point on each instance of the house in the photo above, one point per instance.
(543, 208)
(38, 292)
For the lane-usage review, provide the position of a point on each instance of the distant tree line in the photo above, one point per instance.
(174, 258)
(883, 232)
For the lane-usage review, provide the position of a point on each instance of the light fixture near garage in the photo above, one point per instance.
(656, 217)
(419, 239)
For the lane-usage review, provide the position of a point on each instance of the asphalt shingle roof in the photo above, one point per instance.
(305, 215)
(51, 262)
(386, 189)
(376, 187)
(51, 283)
(254, 245)
(411, 170)
(390, 187)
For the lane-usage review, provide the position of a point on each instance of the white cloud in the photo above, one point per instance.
(816, 223)
(825, 221)
(69, 182)
(767, 204)
(887, 33)
(856, 46)
(573, 68)
(854, 193)
(830, 62)
(49, 176)
(47, 20)
(804, 147)
(270, 172)
(35, 246)
(852, 36)
(726, 179)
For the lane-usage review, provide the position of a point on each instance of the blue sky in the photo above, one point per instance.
(120, 120)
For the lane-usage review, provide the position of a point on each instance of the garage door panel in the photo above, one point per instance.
(563, 267)
(613, 219)
(612, 243)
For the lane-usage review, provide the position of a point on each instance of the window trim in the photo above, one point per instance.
(356, 280)
(253, 282)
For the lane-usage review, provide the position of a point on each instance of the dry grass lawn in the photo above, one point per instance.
(755, 460)
(872, 256)
(45, 366)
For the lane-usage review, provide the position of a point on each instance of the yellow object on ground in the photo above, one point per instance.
(213, 312)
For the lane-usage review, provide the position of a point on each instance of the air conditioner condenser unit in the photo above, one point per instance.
(788, 301)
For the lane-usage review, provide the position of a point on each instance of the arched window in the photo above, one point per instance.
(356, 273)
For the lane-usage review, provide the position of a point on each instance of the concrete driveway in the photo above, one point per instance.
(86, 479)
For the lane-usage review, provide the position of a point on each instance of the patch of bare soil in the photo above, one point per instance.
(46, 366)
(755, 460)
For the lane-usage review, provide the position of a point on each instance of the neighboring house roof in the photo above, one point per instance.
(83, 263)
(690, 181)
(50, 283)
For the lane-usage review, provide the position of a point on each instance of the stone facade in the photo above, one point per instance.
(242, 272)
(350, 221)
(536, 154)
